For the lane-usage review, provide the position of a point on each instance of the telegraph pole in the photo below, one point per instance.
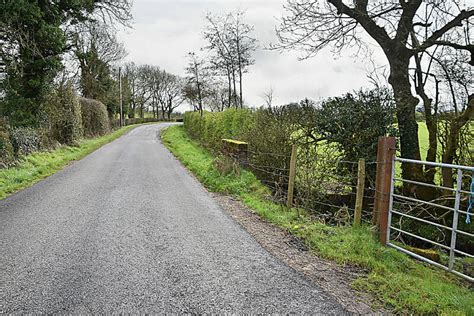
(121, 101)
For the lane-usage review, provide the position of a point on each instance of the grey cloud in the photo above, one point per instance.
(165, 31)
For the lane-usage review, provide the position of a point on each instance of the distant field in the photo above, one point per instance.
(424, 140)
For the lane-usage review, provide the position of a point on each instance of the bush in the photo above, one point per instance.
(95, 120)
(6, 148)
(355, 121)
(211, 128)
(270, 138)
(139, 120)
(63, 117)
(25, 140)
(339, 129)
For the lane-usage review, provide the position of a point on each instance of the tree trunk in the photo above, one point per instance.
(240, 88)
(406, 104)
(131, 114)
(198, 85)
(162, 111)
(170, 108)
(229, 81)
(240, 75)
(431, 119)
(234, 94)
(236, 103)
(452, 141)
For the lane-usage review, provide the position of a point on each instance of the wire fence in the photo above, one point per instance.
(344, 192)
(324, 186)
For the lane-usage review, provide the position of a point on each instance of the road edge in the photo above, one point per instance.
(41, 174)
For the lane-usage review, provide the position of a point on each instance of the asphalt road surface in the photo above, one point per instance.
(127, 229)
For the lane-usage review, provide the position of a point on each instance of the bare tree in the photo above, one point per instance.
(138, 78)
(216, 98)
(223, 61)
(156, 85)
(96, 49)
(110, 12)
(191, 95)
(231, 42)
(243, 45)
(197, 77)
(268, 97)
(174, 96)
(312, 25)
(452, 69)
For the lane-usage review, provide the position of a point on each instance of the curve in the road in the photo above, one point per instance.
(127, 229)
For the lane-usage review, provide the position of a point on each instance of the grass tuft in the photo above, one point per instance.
(394, 279)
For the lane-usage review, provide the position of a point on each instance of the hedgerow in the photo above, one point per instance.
(95, 119)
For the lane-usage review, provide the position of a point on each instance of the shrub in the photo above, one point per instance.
(63, 116)
(95, 120)
(270, 139)
(6, 148)
(139, 120)
(211, 128)
(355, 121)
(339, 129)
(25, 140)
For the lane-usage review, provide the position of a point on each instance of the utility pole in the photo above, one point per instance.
(120, 92)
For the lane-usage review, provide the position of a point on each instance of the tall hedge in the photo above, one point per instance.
(211, 128)
(95, 120)
(324, 134)
(63, 119)
(6, 148)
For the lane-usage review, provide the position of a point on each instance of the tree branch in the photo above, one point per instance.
(456, 21)
(375, 31)
(405, 24)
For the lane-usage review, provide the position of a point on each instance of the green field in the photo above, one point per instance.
(395, 280)
(424, 140)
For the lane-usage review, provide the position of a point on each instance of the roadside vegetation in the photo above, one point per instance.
(331, 137)
(62, 79)
(63, 82)
(398, 282)
(39, 165)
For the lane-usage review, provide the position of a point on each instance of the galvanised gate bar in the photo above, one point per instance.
(454, 231)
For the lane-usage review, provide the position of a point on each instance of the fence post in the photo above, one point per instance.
(291, 181)
(385, 154)
(360, 192)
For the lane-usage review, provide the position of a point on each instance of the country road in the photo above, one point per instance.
(128, 230)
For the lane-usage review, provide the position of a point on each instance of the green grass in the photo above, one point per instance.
(37, 166)
(423, 138)
(405, 285)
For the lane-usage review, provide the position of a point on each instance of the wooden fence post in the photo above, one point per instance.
(360, 192)
(385, 153)
(291, 181)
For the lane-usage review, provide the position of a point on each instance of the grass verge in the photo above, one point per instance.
(39, 165)
(393, 278)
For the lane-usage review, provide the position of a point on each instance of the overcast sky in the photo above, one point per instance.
(164, 31)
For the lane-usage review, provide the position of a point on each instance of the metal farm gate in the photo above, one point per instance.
(453, 231)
